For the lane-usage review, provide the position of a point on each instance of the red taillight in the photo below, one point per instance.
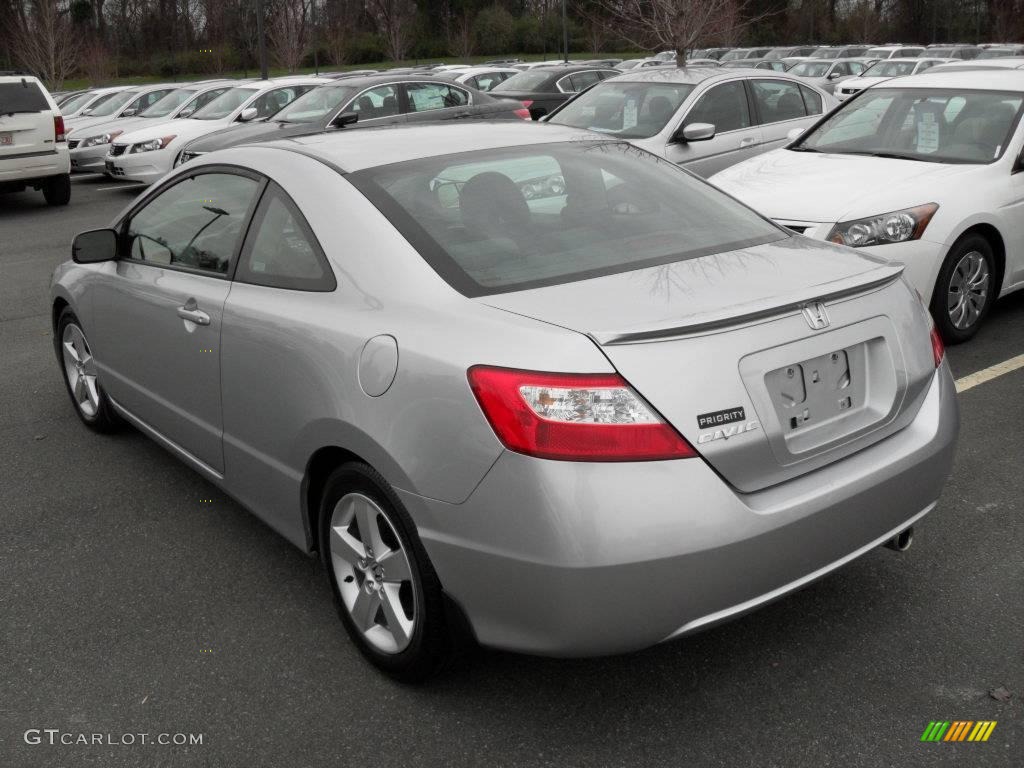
(58, 128)
(938, 348)
(573, 417)
(524, 113)
(527, 103)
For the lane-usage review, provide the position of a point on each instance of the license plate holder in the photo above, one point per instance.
(815, 391)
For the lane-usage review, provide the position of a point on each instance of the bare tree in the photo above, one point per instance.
(43, 42)
(289, 27)
(394, 20)
(462, 40)
(677, 25)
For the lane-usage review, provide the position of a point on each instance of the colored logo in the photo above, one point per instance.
(958, 730)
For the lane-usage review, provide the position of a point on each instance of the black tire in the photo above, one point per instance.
(104, 419)
(432, 643)
(971, 243)
(57, 190)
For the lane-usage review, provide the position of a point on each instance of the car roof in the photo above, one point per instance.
(691, 74)
(984, 80)
(371, 147)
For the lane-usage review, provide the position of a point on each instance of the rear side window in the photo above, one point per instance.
(812, 101)
(22, 96)
(582, 80)
(281, 251)
(778, 100)
(196, 223)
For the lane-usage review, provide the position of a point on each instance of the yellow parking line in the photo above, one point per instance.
(987, 374)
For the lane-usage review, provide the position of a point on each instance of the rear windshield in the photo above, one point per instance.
(523, 217)
(22, 96)
(524, 81)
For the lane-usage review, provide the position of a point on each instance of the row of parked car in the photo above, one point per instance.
(713, 121)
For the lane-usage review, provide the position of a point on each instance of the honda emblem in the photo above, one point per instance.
(816, 316)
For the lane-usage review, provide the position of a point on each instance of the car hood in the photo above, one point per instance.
(122, 124)
(817, 187)
(698, 291)
(79, 125)
(183, 129)
(246, 133)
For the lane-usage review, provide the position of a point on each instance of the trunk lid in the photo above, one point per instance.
(723, 347)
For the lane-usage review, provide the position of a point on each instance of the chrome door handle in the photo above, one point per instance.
(192, 312)
(748, 142)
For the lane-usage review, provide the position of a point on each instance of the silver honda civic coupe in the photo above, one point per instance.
(531, 386)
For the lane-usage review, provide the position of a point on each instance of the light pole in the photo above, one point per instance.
(261, 43)
(565, 34)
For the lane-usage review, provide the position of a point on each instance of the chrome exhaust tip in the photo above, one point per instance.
(901, 541)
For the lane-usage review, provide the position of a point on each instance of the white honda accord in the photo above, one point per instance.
(924, 170)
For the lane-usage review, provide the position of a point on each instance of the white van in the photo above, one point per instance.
(33, 149)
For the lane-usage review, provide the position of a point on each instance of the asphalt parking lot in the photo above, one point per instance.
(137, 598)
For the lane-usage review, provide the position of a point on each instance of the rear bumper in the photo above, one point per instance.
(581, 559)
(35, 166)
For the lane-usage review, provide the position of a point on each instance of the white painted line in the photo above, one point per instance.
(131, 185)
(980, 377)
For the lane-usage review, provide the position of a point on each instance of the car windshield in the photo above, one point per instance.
(890, 69)
(225, 104)
(76, 102)
(627, 110)
(942, 53)
(524, 81)
(113, 104)
(21, 96)
(920, 124)
(503, 220)
(168, 103)
(810, 69)
(827, 53)
(879, 53)
(316, 104)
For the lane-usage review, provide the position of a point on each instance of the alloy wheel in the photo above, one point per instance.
(373, 573)
(80, 369)
(968, 290)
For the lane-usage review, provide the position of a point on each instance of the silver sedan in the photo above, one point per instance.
(535, 386)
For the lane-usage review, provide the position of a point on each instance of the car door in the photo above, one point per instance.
(727, 107)
(780, 107)
(436, 101)
(272, 355)
(158, 308)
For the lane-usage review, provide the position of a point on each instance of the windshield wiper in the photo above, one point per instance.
(802, 148)
(894, 156)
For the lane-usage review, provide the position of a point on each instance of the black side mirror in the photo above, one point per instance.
(343, 119)
(94, 246)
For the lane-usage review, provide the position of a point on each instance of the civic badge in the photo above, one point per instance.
(816, 316)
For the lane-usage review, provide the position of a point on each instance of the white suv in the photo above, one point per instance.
(33, 150)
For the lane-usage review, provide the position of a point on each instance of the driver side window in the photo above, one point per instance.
(724, 106)
(196, 223)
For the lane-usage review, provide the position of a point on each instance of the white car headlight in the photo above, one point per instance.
(95, 141)
(152, 144)
(893, 227)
